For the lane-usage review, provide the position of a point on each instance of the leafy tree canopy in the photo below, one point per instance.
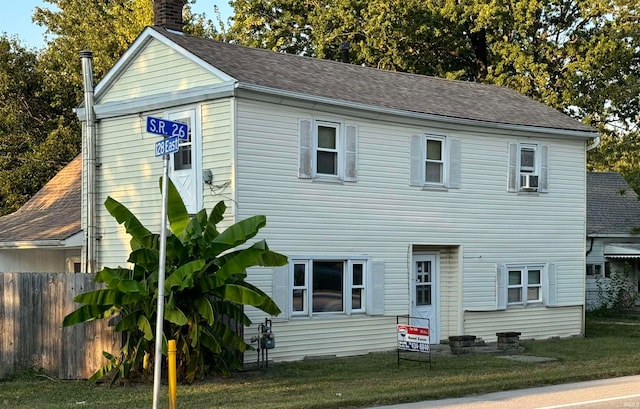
(36, 139)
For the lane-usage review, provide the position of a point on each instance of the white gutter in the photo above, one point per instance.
(31, 244)
(89, 158)
(595, 143)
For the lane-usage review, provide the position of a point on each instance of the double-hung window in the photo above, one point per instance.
(435, 161)
(327, 150)
(332, 286)
(528, 167)
(526, 284)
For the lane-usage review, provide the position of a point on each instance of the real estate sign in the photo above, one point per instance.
(412, 338)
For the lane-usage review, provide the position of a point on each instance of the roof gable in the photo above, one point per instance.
(302, 76)
(153, 65)
(51, 214)
(612, 206)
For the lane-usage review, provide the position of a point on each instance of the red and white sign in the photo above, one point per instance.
(412, 338)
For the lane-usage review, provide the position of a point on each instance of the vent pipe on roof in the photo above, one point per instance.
(344, 52)
(168, 14)
(89, 159)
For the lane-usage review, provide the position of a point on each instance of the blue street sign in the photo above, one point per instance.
(167, 146)
(165, 127)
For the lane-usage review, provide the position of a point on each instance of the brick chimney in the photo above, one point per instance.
(168, 14)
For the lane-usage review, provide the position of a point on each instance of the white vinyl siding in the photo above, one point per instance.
(382, 216)
(157, 69)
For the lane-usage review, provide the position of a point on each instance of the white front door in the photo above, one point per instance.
(186, 166)
(424, 294)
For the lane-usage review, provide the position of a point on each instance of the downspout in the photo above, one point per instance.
(89, 158)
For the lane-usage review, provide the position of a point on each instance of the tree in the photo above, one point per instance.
(35, 138)
(205, 281)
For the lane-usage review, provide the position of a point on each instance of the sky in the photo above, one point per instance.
(15, 18)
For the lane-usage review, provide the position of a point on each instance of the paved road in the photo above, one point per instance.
(616, 393)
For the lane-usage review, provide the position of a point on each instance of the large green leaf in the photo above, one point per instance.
(123, 215)
(106, 296)
(205, 309)
(112, 276)
(128, 321)
(145, 326)
(248, 296)
(145, 257)
(174, 315)
(85, 313)
(176, 210)
(236, 235)
(256, 255)
(209, 341)
(268, 306)
(182, 277)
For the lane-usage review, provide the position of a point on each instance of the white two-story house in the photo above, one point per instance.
(391, 194)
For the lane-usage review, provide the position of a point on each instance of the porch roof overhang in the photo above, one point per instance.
(622, 250)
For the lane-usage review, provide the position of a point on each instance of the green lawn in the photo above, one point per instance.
(610, 349)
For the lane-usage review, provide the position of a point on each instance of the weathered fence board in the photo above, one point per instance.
(32, 307)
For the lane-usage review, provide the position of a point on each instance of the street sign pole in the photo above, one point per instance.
(172, 132)
(157, 368)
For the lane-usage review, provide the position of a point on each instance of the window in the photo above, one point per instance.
(327, 150)
(594, 270)
(435, 161)
(526, 284)
(328, 286)
(528, 167)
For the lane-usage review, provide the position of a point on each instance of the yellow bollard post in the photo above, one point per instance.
(171, 354)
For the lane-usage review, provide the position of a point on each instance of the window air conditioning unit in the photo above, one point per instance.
(529, 182)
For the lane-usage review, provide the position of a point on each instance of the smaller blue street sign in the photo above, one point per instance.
(167, 146)
(165, 127)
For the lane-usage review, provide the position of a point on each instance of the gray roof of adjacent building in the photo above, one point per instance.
(375, 88)
(613, 207)
(52, 214)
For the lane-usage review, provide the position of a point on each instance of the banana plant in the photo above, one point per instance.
(205, 289)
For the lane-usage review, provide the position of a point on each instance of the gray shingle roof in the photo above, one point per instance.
(373, 87)
(612, 206)
(51, 214)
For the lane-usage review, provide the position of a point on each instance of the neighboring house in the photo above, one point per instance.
(45, 235)
(391, 193)
(613, 240)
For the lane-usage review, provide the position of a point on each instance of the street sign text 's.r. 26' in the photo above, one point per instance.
(167, 128)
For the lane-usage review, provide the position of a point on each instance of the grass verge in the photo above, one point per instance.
(610, 349)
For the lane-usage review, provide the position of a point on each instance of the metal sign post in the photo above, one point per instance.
(171, 132)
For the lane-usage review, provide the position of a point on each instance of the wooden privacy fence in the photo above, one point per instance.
(32, 307)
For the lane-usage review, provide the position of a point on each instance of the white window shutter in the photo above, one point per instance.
(305, 149)
(417, 160)
(376, 292)
(512, 181)
(544, 169)
(281, 290)
(454, 164)
(501, 287)
(351, 158)
(552, 287)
